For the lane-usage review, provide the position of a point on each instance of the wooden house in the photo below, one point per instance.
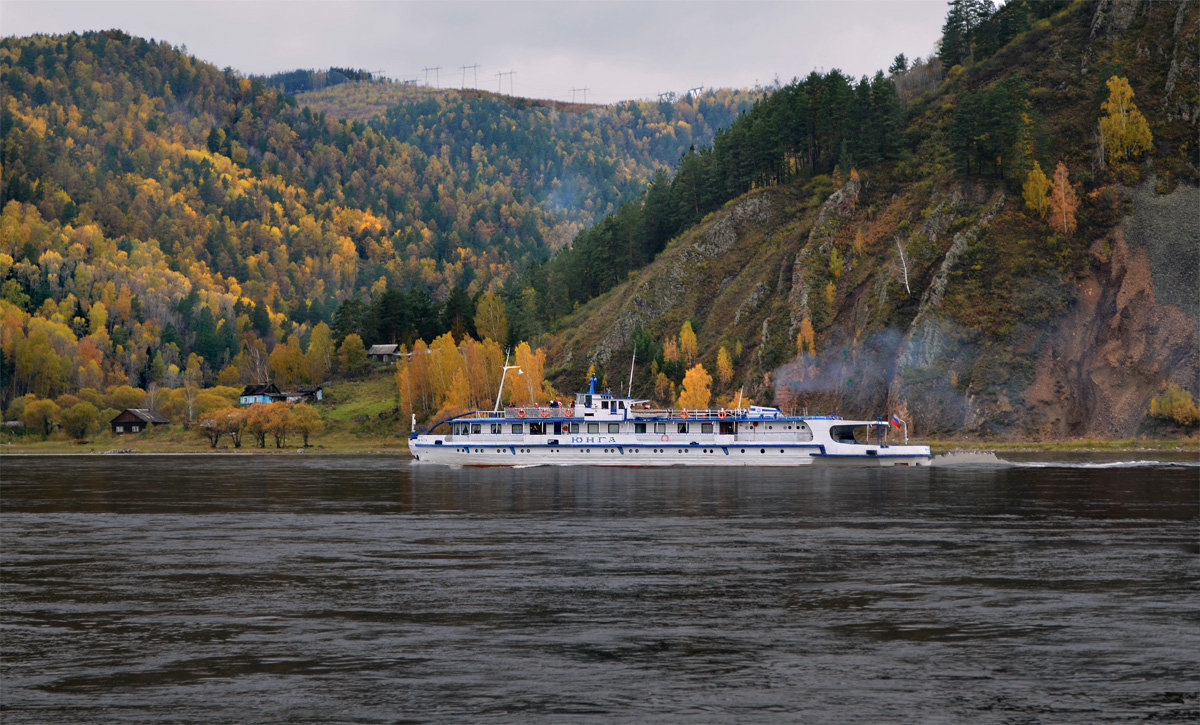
(136, 420)
(383, 353)
(266, 393)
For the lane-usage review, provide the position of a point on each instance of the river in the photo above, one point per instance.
(370, 589)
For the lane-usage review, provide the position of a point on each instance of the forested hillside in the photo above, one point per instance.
(1000, 239)
(162, 216)
(583, 161)
(1015, 256)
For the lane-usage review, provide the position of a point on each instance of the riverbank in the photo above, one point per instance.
(341, 442)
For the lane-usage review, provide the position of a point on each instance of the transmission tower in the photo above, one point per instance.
(475, 69)
(581, 90)
(500, 80)
(436, 80)
(693, 92)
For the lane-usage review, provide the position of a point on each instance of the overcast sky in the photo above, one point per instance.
(617, 49)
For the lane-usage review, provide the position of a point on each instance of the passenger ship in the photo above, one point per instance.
(600, 429)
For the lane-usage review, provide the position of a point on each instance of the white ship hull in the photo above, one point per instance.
(600, 430)
(637, 454)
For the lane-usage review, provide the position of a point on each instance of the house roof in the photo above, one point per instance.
(264, 389)
(145, 414)
(382, 350)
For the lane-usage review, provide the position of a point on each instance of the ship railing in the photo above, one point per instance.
(534, 412)
(705, 414)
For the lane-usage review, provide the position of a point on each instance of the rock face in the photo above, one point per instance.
(1133, 327)
(1130, 325)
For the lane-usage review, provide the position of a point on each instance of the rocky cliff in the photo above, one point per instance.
(939, 296)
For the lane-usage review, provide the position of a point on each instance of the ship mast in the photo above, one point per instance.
(629, 388)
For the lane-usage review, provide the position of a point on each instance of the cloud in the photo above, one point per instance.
(618, 50)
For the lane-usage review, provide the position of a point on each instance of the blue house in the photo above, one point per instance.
(267, 393)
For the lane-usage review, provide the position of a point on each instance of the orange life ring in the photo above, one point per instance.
(520, 412)
(721, 414)
(545, 412)
(665, 438)
(683, 414)
(570, 412)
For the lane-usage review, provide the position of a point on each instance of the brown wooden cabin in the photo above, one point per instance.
(136, 420)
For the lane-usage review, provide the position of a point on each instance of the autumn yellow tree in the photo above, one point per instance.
(228, 420)
(279, 422)
(258, 422)
(420, 380)
(491, 321)
(531, 387)
(318, 360)
(1123, 128)
(483, 361)
(806, 339)
(352, 356)
(1036, 191)
(445, 363)
(697, 392)
(79, 419)
(688, 345)
(1176, 404)
(40, 416)
(1063, 202)
(670, 350)
(306, 421)
(724, 367)
(456, 398)
(664, 389)
(287, 363)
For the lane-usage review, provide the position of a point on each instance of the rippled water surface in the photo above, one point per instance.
(315, 589)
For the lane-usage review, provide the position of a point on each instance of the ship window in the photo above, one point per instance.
(683, 427)
(639, 427)
(706, 427)
(574, 427)
(604, 405)
(497, 427)
(614, 427)
(518, 428)
(593, 427)
(476, 428)
(621, 404)
(660, 427)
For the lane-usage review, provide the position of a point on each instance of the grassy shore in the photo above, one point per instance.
(1080, 445)
(360, 418)
(342, 437)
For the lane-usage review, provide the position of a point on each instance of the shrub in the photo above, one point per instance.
(1175, 404)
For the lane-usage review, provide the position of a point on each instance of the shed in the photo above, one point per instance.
(383, 353)
(308, 394)
(265, 393)
(136, 420)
